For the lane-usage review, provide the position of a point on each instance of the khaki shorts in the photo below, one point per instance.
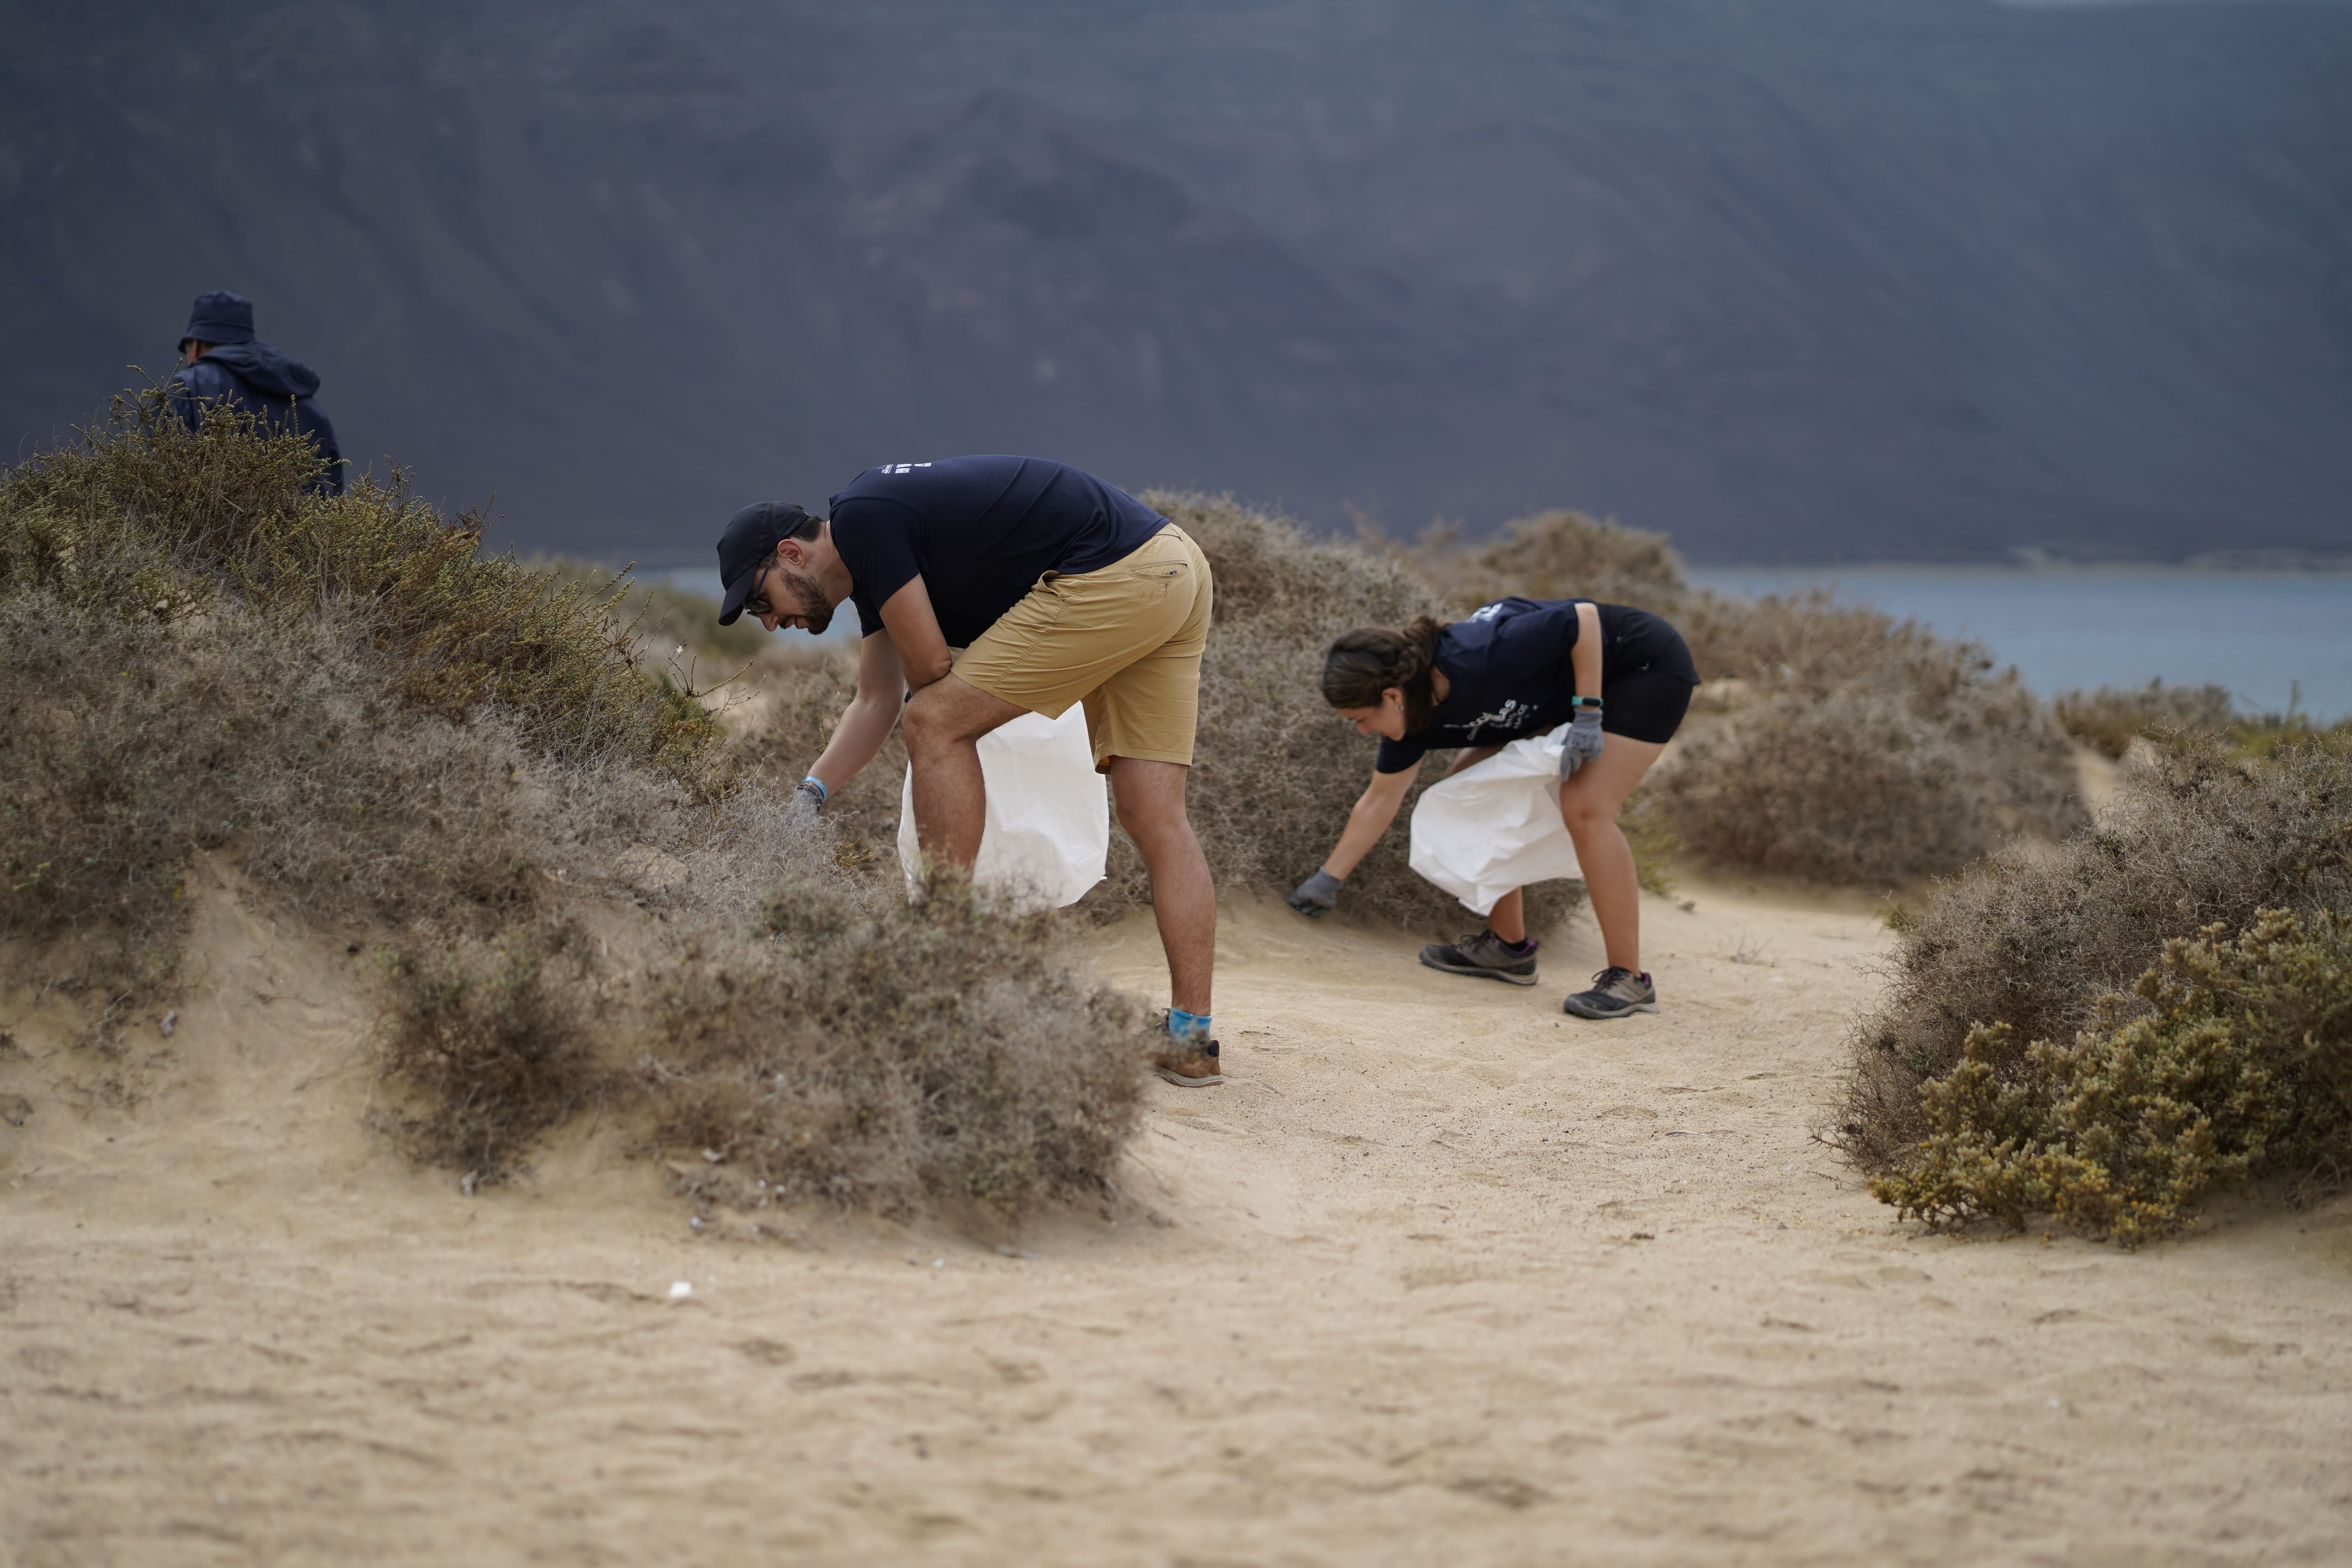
(1125, 640)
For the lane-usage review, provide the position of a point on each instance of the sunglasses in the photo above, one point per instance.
(756, 602)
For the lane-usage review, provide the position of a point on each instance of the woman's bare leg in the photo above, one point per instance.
(1509, 918)
(1589, 804)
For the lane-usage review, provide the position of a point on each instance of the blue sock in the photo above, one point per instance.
(1189, 1029)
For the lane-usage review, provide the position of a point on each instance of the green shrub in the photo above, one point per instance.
(2108, 720)
(2035, 936)
(2240, 1065)
(2261, 734)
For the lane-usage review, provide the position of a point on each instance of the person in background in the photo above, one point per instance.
(223, 364)
(1620, 677)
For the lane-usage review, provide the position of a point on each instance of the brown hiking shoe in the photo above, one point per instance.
(1190, 1069)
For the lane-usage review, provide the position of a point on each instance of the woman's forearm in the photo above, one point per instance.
(1368, 819)
(1366, 823)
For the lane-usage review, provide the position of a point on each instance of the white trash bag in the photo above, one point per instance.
(1496, 825)
(1049, 829)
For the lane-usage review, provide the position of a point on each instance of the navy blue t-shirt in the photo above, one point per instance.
(980, 531)
(1510, 676)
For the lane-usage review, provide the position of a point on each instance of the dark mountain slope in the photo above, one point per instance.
(1904, 278)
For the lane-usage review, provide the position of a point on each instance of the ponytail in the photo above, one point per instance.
(1369, 660)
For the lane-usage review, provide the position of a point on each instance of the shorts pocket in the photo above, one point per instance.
(1154, 581)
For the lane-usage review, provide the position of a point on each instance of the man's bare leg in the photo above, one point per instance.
(944, 722)
(1151, 801)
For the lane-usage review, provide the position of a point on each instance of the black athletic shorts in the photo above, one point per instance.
(1648, 703)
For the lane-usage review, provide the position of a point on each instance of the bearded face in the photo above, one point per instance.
(797, 594)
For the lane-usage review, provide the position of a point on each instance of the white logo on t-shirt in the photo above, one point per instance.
(900, 467)
(1509, 716)
(1487, 612)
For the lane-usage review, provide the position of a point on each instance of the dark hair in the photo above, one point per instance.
(1369, 660)
(797, 524)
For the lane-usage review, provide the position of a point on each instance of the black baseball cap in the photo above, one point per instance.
(749, 543)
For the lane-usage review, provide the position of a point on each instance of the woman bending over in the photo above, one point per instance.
(1620, 677)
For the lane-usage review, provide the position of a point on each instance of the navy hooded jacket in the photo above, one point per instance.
(262, 381)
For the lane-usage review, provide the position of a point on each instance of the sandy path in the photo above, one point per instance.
(1383, 1298)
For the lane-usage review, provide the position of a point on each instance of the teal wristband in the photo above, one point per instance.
(1585, 702)
(823, 793)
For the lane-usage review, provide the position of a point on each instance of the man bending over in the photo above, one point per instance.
(992, 587)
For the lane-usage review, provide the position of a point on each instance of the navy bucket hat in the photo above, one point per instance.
(750, 539)
(219, 317)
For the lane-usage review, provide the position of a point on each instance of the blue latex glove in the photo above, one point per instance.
(1583, 741)
(1319, 895)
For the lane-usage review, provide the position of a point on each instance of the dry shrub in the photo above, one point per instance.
(2034, 936)
(278, 741)
(2108, 720)
(787, 708)
(1871, 786)
(1855, 749)
(1859, 749)
(1275, 770)
(385, 730)
(880, 1055)
(494, 1036)
(1560, 555)
(142, 517)
(668, 622)
(2240, 1065)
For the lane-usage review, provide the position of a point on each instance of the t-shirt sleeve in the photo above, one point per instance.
(1398, 755)
(875, 541)
(1557, 620)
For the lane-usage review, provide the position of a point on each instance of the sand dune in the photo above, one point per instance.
(1440, 1275)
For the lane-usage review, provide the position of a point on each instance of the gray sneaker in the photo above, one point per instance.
(1485, 955)
(1615, 994)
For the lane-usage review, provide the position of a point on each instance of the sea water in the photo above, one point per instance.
(2260, 635)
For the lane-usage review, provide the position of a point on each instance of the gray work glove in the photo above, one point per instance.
(1582, 742)
(807, 798)
(1319, 895)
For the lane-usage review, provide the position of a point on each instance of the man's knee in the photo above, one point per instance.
(941, 715)
(922, 720)
(1157, 825)
(1148, 799)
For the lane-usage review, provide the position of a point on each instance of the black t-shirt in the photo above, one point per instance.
(1509, 674)
(980, 531)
